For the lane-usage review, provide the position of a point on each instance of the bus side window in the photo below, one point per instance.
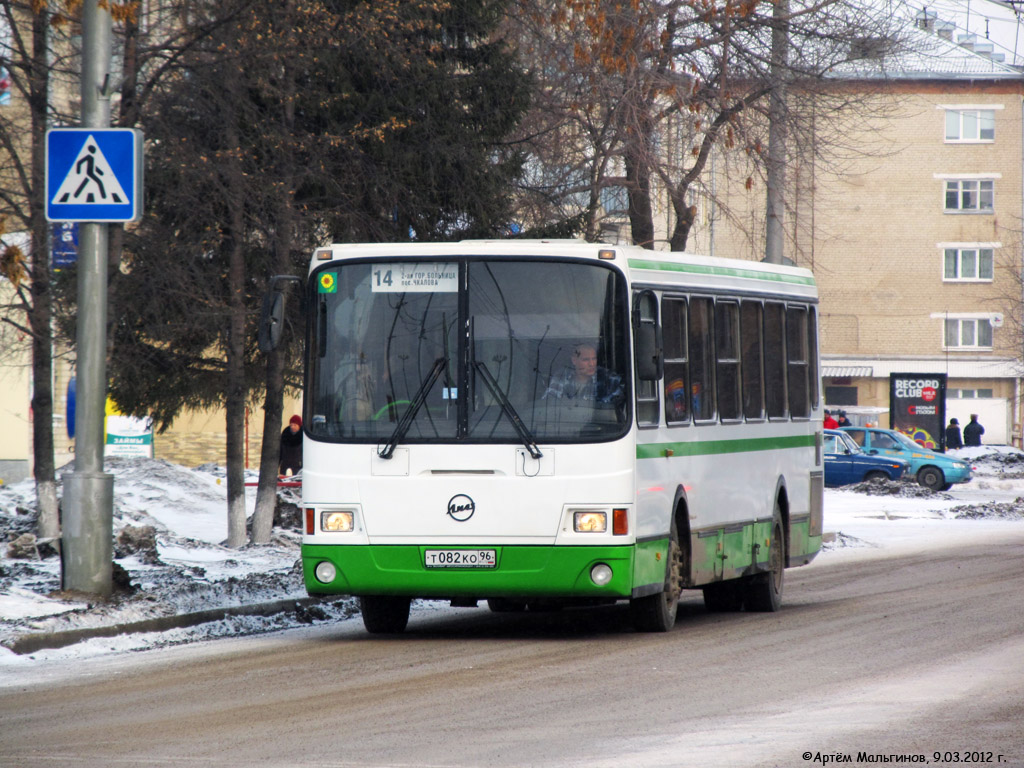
(812, 349)
(797, 362)
(677, 398)
(701, 339)
(753, 377)
(727, 354)
(775, 359)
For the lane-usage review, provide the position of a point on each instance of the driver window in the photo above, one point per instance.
(857, 435)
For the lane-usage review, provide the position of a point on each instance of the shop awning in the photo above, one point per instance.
(845, 371)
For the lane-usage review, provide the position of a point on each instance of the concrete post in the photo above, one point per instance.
(87, 549)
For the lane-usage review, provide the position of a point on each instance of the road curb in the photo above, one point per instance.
(38, 641)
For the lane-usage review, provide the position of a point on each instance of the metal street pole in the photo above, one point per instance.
(87, 549)
(774, 246)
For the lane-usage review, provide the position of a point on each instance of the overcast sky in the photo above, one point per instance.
(986, 18)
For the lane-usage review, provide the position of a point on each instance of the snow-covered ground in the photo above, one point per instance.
(178, 565)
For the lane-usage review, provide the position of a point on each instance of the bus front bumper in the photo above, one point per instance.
(519, 571)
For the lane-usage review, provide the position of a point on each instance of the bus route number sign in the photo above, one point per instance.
(461, 558)
(415, 278)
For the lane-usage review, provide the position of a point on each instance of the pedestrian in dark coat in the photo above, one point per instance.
(291, 446)
(953, 435)
(973, 431)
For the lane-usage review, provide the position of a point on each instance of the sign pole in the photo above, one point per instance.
(87, 550)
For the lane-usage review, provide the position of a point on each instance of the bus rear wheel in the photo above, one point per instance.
(764, 591)
(657, 613)
(384, 615)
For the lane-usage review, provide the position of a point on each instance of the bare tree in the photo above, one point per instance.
(638, 96)
(27, 57)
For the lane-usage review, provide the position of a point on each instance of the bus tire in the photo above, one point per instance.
(723, 597)
(383, 614)
(764, 591)
(657, 613)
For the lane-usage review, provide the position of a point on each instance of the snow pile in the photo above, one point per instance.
(904, 488)
(170, 523)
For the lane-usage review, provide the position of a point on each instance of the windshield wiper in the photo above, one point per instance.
(418, 399)
(507, 408)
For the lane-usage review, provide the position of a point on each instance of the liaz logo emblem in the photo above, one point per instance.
(461, 507)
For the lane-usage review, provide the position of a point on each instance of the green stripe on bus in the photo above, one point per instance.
(700, 269)
(710, 447)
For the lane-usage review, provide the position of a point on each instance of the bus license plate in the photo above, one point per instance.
(461, 558)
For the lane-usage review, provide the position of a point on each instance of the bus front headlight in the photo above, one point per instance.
(337, 521)
(589, 522)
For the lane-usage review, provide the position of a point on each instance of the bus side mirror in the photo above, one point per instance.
(271, 325)
(650, 362)
(650, 358)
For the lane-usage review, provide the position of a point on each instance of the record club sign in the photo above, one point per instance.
(917, 406)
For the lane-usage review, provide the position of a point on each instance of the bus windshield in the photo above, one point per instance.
(468, 350)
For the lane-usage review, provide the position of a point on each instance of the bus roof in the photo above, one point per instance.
(644, 267)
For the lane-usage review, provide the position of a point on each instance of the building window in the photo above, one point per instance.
(968, 333)
(969, 195)
(970, 125)
(968, 394)
(968, 264)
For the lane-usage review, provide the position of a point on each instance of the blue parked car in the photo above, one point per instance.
(937, 471)
(846, 463)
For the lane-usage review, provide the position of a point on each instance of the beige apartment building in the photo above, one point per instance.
(914, 238)
(924, 274)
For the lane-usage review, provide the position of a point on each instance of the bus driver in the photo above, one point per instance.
(586, 380)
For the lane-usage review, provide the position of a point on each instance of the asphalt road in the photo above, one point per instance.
(916, 655)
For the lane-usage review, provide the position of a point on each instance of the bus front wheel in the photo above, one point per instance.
(384, 614)
(657, 613)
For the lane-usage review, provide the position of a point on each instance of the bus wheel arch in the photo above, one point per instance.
(681, 515)
(780, 508)
(763, 591)
(657, 612)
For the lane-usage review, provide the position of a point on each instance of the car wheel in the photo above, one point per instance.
(931, 478)
(947, 486)
(876, 476)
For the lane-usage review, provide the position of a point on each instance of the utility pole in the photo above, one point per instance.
(777, 135)
(87, 546)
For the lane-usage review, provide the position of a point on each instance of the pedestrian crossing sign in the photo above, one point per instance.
(93, 174)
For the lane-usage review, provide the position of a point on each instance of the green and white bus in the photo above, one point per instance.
(548, 423)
